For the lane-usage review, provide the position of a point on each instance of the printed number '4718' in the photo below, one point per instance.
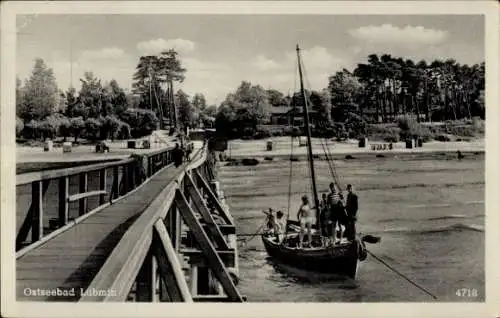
(466, 292)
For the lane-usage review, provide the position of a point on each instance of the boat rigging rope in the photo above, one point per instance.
(290, 181)
(402, 275)
(324, 144)
(330, 165)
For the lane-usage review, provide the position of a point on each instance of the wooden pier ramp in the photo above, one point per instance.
(138, 229)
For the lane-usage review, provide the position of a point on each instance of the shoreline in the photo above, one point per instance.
(339, 150)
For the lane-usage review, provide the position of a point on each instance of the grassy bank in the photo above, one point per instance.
(457, 130)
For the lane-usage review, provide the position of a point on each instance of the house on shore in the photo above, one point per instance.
(290, 116)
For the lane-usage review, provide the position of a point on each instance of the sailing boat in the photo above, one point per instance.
(342, 259)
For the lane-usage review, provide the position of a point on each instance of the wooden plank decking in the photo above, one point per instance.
(71, 260)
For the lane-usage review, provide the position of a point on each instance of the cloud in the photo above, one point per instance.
(387, 33)
(216, 79)
(104, 53)
(262, 63)
(156, 46)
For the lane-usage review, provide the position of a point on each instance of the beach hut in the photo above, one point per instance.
(302, 141)
(269, 145)
(410, 143)
(48, 145)
(67, 146)
(362, 142)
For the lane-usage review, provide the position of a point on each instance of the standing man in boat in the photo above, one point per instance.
(324, 219)
(351, 208)
(306, 219)
(337, 213)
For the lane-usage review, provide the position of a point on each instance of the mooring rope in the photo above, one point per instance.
(402, 275)
(252, 236)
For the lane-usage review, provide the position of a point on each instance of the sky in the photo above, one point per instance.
(220, 51)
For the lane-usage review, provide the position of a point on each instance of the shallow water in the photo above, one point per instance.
(429, 213)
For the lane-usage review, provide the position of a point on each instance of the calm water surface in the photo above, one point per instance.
(429, 213)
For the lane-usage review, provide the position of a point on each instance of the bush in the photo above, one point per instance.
(123, 131)
(111, 127)
(410, 129)
(142, 122)
(76, 127)
(355, 126)
(324, 132)
(65, 127)
(31, 129)
(383, 133)
(262, 133)
(19, 126)
(92, 129)
(443, 138)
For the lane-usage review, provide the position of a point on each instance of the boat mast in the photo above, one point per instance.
(308, 134)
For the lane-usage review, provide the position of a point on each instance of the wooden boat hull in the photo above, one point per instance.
(340, 259)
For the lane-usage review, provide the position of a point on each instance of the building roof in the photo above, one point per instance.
(275, 110)
(287, 110)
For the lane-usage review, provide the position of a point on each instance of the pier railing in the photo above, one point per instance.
(182, 248)
(55, 200)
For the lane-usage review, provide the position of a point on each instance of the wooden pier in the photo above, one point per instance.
(137, 229)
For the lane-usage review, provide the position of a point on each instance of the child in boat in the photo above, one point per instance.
(306, 219)
(280, 226)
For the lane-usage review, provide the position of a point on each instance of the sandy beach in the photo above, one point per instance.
(117, 150)
(282, 147)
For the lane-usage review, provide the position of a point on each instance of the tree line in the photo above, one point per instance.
(382, 90)
(100, 110)
(385, 89)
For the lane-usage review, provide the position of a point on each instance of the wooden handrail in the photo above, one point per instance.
(29, 177)
(76, 197)
(120, 269)
(129, 182)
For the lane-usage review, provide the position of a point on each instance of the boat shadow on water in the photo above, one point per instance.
(297, 275)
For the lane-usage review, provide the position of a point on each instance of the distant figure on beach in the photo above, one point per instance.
(459, 155)
(178, 155)
(351, 208)
(306, 219)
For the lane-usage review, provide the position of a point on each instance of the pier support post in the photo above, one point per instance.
(83, 187)
(146, 277)
(37, 204)
(173, 224)
(63, 201)
(194, 280)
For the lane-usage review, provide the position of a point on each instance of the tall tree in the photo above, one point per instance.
(40, 93)
(116, 98)
(249, 105)
(199, 102)
(188, 115)
(19, 97)
(345, 92)
(151, 73)
(91, 97)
